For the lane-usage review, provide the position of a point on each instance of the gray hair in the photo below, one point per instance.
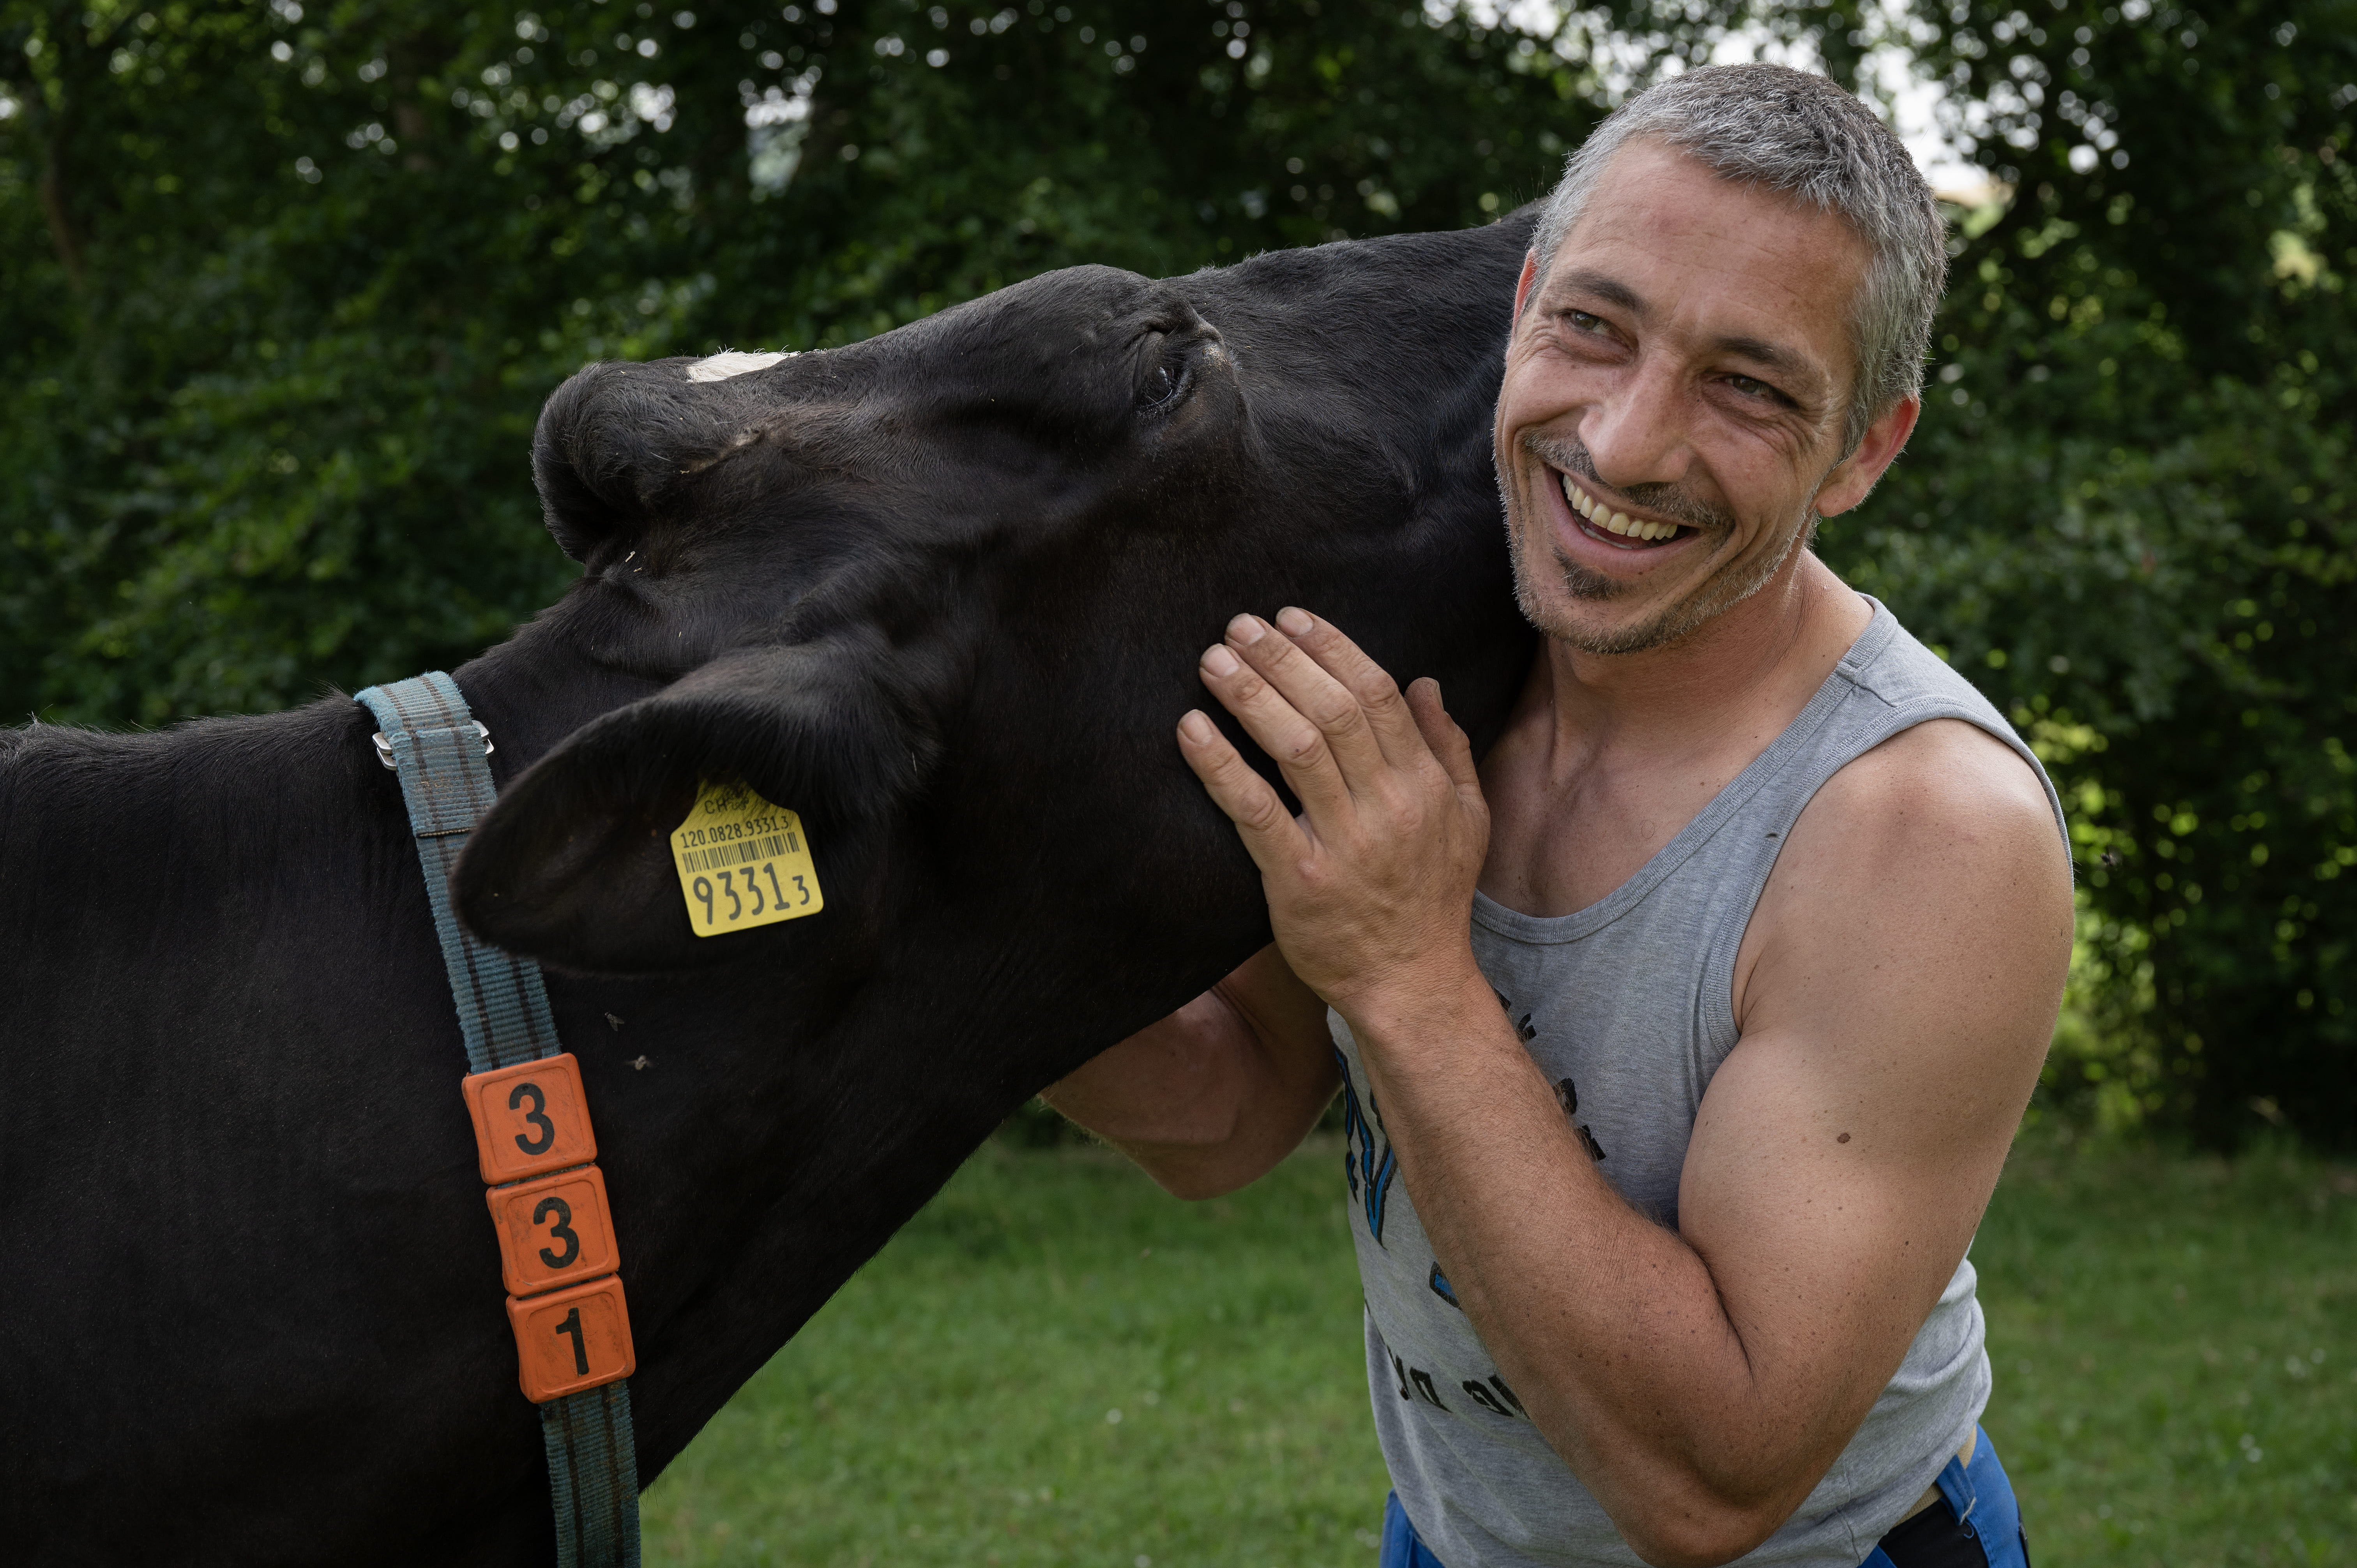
(1786, 130)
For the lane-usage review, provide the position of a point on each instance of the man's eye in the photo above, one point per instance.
(1583, 322)
(1750, 386)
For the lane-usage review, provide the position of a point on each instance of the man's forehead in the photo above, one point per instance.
(1650, 182)
(1753, 271)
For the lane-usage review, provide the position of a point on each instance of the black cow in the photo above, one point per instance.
(940, 592)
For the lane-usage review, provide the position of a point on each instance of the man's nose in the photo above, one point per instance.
(1637, 433)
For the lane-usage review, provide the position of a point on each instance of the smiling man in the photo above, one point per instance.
(1664, 1164)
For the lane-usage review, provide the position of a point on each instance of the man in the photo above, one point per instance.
(1663, 1172)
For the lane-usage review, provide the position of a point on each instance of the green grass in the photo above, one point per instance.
(953, 1405)
(2175, 1343)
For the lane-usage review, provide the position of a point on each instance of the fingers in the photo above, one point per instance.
(1300, 715)
(1337, 724)
(1268, 829)
(1387, 716)
(1448, 742)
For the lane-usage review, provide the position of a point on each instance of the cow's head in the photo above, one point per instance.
(941, 592)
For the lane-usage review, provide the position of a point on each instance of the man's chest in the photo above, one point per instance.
(1559, 843)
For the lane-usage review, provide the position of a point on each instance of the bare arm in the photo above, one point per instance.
(1902, 978)
(1894, 1011)
(1212, 1097)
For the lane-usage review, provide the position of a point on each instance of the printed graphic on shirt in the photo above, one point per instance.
(1367, 1162)
(1415, 1384)
(1441, 1287)
(1568, 1098)
(1565, 1094)
(1496, 1402)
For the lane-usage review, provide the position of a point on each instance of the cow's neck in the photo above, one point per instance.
(540, 686)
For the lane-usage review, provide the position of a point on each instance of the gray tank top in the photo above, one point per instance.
(1628, 1007)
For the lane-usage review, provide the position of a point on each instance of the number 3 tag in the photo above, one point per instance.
(553, 1230)
(529, 1118)
(742, 862)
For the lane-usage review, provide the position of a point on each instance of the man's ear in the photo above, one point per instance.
(572, 865)
(1855, 477)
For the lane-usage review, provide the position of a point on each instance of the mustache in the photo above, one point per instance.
(1572, 457)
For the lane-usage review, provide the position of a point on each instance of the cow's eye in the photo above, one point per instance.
(1165, 384)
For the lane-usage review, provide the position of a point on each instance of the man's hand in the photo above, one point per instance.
(1369, 889)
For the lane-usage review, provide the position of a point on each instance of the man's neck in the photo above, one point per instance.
(1608, 756)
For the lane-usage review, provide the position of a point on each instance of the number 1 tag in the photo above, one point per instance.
(742, 862)
(572, 1340)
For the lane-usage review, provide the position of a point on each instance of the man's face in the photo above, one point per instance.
(1684, 371)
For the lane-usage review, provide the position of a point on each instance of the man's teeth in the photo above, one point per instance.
(1605, 518)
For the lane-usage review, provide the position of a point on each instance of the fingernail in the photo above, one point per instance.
(1246, 630)
(1294, 622)
(1220, 661)
(1195, 728)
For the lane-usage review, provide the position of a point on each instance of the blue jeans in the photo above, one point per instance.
(1980, 1498)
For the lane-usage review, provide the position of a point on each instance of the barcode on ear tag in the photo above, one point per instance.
(742, 862)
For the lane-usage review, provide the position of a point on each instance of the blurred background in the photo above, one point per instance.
(286, 282)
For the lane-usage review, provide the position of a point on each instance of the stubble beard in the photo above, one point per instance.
(1712, 597)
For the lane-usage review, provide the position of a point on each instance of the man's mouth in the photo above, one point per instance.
(1598, 520)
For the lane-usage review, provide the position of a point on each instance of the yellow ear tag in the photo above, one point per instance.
(742, 862)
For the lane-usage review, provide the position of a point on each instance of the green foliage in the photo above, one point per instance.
(286, 286)
(2127, 515)
(2172, 1342)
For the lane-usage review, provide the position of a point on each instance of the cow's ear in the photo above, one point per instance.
(572, 865)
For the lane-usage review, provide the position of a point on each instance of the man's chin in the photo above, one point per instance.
(1589, 610)
(1586, 609)
(1606, 635)
(1592, 612)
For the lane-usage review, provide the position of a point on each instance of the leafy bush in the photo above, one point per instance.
(291, 286)
(2128, 517)
(287, 287)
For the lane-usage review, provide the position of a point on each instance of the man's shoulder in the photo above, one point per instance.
(1942, 821)
(1928, 872)
(1944, 780)
(1905, 673)
(1957, 768)
(1942, 829)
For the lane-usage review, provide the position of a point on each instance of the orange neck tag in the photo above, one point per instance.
(742, 862)
(529, 1118)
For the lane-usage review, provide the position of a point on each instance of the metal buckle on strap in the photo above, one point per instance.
(384, 747)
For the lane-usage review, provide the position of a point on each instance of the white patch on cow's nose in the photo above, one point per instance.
(720, 367)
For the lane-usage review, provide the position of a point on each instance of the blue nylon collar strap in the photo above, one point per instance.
(435, 747)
